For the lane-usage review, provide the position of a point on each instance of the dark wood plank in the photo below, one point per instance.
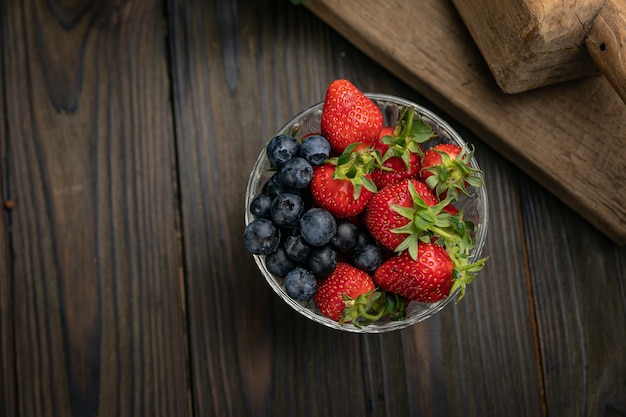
(97, 297)
(578, 282)
(488, 341)
(7, 354)
(238, 74)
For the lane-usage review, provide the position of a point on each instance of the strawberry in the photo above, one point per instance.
(343, 185)
(382, 216)
(348, 116)
(386, 131)
(337, 195)
(404, 213)
(395, 170)
(348, 295)
(400, 149)
(446, 170)
(432, 276)
(426, 279)
(451, 209)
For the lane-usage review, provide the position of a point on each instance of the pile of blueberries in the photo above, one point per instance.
(301, 242)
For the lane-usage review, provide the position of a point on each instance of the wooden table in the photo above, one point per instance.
(125, 288)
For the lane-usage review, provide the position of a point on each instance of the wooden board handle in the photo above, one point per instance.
(606, 43)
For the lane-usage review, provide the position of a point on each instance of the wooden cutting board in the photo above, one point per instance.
(570, 137)
(532, 43)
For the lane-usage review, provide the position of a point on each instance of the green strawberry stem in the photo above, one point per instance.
(395, 306)
(442, 233)
(409, 133)
(355, 166)
(370, 307)
(463, 272)
(432, 222)
(454, 174)
(364, 309)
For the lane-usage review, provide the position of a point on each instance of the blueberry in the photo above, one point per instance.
(322, 261)
(367, 257)
(260, 206)
(287, 209)
(274, 186)
(278, 263)
(364, 238)
(296, 173)
(300, 284)
(317, 226)
(315, 149)
(282, 148)
(297, 249)
(261, 237)
(346, 237)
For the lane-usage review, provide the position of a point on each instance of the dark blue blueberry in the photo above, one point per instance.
(296, 173)
(261, 237)
(315, 149)
(364, 238)
(346, 237)
(317, 226)
(281, 149)
(260, 206)
(300, 284)
(297, 249)
(278, 263)
(274, 186)
(322, 261)
(287, 209)
(367, 257)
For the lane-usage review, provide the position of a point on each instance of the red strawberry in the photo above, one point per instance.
(343, 185)
(451, 209)
(427, 279)
(348, 294)
(393, 208)
(431, 276)
(400, 149)
(394, 168)
(405, 213)
(348, 116)
(337, 195)
(386, 131)
(446, 170)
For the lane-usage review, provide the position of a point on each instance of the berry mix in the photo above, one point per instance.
(361, 218)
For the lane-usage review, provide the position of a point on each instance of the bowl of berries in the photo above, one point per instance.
(366, 212)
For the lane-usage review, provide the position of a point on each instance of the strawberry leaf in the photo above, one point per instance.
(453, 175)
(369, 184)
(365, 309)
(409, 133)
(463, 272)
(431, 223)
(355, 166)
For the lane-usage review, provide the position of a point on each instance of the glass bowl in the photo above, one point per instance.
(475, 209)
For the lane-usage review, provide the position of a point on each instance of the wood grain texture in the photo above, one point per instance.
(8, 382)
(287, 365)
(96, 294)
(531, 43)
(125, 288)
(580, 302)
(606, 43)
(495, 361)
(569, 137)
